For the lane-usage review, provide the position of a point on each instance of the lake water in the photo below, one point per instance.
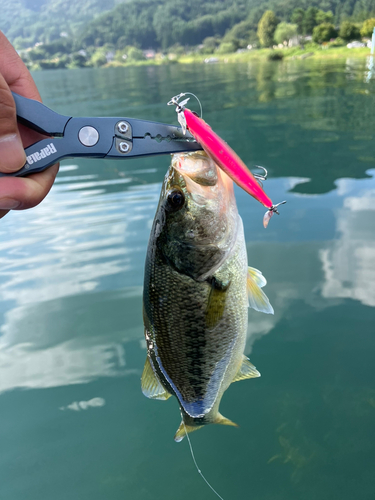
(73, 421)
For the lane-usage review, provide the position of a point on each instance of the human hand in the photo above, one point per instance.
(18, 193)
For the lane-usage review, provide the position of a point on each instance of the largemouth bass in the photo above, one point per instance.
(197, 290)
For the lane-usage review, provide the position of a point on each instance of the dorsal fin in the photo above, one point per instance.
(247, 370)
(151, 385)
(258, 300)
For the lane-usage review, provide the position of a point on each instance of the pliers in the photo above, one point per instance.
(70, 137)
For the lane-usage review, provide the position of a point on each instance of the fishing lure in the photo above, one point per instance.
(222, 154)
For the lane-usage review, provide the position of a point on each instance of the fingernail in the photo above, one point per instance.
(9, 204)
(12, 154)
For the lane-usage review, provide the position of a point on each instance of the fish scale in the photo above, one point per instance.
(185, 348)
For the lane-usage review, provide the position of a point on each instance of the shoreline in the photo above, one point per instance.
(312, 52)
(287, 54)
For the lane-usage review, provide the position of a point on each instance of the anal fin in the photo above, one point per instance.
(247, 370)
(151, 385)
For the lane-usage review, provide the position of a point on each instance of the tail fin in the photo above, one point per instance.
(185, 429)
(224, 421)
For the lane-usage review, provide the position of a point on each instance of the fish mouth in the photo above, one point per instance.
(199, 176)
(197, 166)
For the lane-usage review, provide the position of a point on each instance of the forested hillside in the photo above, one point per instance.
(155, 23)
(151, 23)
(32, 21)
(71, 33)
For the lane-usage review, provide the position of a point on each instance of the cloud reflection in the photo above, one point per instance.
(65, 364)
(349, 263)
(84, 405)
(68, 270)
(320, 273)
(71, 271)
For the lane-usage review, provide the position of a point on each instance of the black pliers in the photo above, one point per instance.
(93, 137)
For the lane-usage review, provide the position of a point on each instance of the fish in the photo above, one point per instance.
(197, 290)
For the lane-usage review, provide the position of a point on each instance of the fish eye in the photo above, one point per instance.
(175, 200)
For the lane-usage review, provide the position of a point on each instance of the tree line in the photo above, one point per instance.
(151, 23)
(221, 26)
(312, 21)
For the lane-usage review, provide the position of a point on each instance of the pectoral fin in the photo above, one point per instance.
(247, 370)
(216, 302)
(258, 300)
(151, 385)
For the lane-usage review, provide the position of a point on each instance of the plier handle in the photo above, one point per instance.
(69, 137)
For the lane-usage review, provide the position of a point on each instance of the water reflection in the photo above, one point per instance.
(78, 259)
(370, 66)
(81, 249)
(349, 263)
(338, 266)
(84, 405)
(271, 112)
(71, 275)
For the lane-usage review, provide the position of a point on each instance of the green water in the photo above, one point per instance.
(73, 421)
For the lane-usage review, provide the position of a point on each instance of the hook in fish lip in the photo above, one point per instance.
(273, 208)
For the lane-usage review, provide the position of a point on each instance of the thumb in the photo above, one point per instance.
(12, 154)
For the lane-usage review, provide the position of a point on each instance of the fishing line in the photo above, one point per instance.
(200, 105)
(195, 462)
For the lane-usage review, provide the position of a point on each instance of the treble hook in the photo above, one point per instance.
(260, 177)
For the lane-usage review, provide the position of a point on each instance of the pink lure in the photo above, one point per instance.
(224, 156)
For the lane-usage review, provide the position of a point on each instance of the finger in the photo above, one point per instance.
(20, 81)
(21, 192)
(12, 154)
(18, 193)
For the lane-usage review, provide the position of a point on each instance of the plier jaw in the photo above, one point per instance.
(135, 137)
(112, 138)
